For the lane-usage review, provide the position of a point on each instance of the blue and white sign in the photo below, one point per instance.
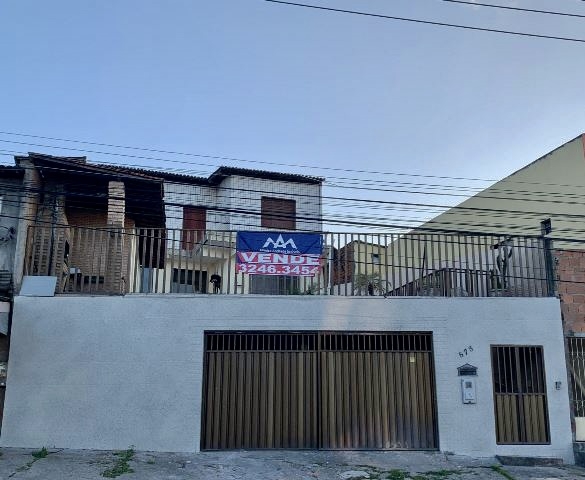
(280, 242)
(278, 253)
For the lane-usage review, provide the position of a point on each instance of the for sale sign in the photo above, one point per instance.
(278, 253)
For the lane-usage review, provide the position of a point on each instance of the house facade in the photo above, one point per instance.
(134, 344)
(203, 215)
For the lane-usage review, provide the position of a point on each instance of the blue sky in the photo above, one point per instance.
(274, 83)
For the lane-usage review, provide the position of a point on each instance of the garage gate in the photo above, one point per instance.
(318, 390)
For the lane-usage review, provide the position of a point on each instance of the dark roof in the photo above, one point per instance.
(83, 179)
(218, 176)
(159, 174)
(79, 165)
(223, 172)
(141, 173)
(11, 171)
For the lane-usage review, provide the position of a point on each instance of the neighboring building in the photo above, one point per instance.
(162, 367)
(362, 267)
(11, 190)
(543, 199)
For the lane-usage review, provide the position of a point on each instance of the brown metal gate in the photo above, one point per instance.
(520, 395)
(318, 390)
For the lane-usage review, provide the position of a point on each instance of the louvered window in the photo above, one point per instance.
(278, 213)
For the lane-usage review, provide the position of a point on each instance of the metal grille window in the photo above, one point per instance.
(520, 395)
(576, 350)
(188, 281)
(274, 285)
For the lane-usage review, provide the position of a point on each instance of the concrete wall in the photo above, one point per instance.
(112, 372)
(550, 187)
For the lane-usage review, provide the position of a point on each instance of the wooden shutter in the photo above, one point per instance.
(279, 213)
(194, 222)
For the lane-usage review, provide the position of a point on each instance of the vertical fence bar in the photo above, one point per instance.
(516, 242)
(202, 239)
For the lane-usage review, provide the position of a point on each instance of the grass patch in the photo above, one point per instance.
(443, 473)
(396, 475)
(121, 466)
(42, 453)
(39, 454)
(499, 469)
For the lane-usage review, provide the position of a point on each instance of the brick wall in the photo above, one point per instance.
(570, 271)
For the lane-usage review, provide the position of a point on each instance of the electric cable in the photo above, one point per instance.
(428, 22)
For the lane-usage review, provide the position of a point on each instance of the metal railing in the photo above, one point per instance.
(576, 367)
(120, 261)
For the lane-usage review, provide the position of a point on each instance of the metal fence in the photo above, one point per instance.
(576, 365)
(118, 261)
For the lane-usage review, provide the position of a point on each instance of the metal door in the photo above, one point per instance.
(260, 391)
(318, 390)
(520, 395)
(377, 391)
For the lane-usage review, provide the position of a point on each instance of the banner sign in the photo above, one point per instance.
(278, 253)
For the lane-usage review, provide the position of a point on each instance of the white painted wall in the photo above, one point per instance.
(242, 193)
(111, 372)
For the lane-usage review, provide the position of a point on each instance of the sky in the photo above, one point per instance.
(298, 90)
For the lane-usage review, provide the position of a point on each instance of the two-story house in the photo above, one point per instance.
(144, 328)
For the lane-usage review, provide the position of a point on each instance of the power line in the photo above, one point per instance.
(413, 192)
(236, 159)
(351, 186)
(217, 157)
(356, 199)
(428, 22)
(347, 220)
(518, 9)
(320, 198)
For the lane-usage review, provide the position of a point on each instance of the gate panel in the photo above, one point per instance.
(318, 390)
(377, 391)
(260, 391)
(520, 395)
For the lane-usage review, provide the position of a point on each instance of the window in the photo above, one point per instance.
(194, 223)
(278, 213)
(188, 281)
(274, 285)
(376, 258)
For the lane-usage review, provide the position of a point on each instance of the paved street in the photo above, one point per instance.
(88, 465)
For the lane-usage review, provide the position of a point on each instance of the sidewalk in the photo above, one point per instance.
(262, 465)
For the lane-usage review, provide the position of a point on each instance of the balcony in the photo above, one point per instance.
(116, 261)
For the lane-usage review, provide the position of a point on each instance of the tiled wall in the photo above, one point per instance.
(235, 204)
